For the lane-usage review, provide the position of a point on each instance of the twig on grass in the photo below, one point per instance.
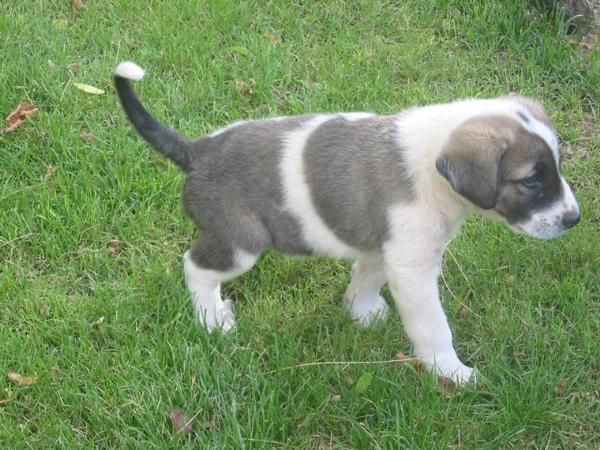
(263, 441)
(24, 236)
(343, 363)
(26, 188)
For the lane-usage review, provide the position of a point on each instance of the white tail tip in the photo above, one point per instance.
(129, 70)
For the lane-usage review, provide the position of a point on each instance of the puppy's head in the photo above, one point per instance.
(510, 164)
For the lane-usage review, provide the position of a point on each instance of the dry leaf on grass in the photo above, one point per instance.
(77, 5)
(446, 385)
(16, 118)
(182, 424)
(420, 366)
(245, 88)
(325, 443)
(89, 89)
(271, 37)
(300, 419)
(87, 137)
(114, 247)
(21, 380)
(49, 172)
(561, 387)
(336, 398)
(75, 67)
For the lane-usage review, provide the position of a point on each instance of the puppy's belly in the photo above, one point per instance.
(318, 239)
(305, 236)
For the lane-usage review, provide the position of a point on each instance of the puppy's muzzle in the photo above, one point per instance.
(571, 218)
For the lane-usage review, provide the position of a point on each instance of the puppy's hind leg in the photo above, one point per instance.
(206, 266)
(362, 299)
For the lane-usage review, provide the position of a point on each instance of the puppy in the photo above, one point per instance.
(385, 191)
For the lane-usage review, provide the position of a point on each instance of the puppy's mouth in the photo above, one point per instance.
(539, 233)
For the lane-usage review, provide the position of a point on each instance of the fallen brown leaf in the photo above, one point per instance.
(75, 67)
(77, 5)
(446, 385)
(420, 366)
(114, 247)
(16, 118)
(245, 88)
(182, 424)
(561, 387)
(45, 310)
(325, 443)
(21, 379)
(336, 398)
(300, 420)
(49, 172)
(271, 37)
(87, 137)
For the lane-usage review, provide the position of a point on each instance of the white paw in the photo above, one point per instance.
(219, 317)
(226, 315)
(449, 366)
(367, 311)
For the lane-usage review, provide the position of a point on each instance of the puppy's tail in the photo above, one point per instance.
(167, 141)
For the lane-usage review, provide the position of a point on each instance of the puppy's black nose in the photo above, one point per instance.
(571, 219)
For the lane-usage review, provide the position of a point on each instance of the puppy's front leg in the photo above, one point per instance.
(412, 276)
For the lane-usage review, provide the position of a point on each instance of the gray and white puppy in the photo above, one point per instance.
(385, 191)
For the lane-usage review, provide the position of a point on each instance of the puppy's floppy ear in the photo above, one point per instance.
(471, 158)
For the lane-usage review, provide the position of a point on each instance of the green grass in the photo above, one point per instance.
(524, 312)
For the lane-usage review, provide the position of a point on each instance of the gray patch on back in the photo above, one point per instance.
(355, 171)
(234, 191)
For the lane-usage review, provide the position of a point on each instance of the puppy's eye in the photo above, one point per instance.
(531, 182)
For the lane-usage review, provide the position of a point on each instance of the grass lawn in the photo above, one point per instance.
(92, 300)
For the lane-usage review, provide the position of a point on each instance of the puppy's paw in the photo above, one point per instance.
(227, 316)
(460, 375)
(449, 366)
(221, 316)
(366, 311)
